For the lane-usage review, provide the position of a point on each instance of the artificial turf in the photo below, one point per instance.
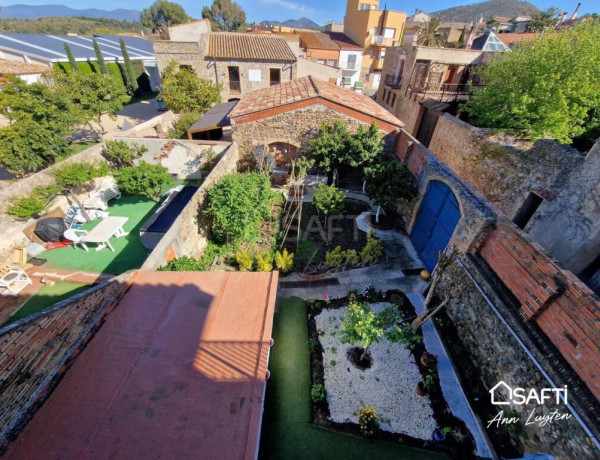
(287, 432)
(47, 296)
(129, 252)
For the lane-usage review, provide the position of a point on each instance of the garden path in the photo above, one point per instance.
(450, 383)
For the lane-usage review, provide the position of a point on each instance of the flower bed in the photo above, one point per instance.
(388, 385)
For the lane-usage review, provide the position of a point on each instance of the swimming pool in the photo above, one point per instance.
(161, 221)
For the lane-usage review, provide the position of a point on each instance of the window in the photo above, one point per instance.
(185, 67)
(384, 94)
(371, 53)
(528, 209)
(382, 54)
(274, 76)
(387, 101)
(365, 6)
(351, 64)
(234, 79)
(321, 61)
(393, 99)
(331, 62)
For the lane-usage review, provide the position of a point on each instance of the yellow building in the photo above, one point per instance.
(374, 30)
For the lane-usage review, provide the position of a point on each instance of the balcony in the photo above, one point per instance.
(446, 91)
(392, 81)
(380, 40)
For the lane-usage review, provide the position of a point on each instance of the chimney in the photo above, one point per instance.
(574, 15)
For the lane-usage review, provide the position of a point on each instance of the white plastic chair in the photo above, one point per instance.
(100, 196)
(14, 279)
(74, 235)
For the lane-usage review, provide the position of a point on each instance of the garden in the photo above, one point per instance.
(371, 375)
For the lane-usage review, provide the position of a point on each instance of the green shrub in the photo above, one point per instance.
(25, 207)
(245, 260)
(120, 154)
(368, 421)
(72, 174)
(372, 251)
(178, 129)
(237, 204)
(338, 258)
(144, 179)
(307, 252)
(318, 393)
(335, 258)
(182, 264)
(284, 261)
(264, 262)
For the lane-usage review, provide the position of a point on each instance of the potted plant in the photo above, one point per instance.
(420, 390)
(428, 360)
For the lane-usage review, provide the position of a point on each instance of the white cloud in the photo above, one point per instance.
(290, 5)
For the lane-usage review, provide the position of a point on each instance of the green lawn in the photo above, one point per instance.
(47, 296)
(287, 432)
(129, 252)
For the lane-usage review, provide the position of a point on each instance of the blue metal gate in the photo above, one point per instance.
(436, 220)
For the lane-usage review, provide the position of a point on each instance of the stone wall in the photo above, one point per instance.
(156, 127)
(296, 127)
(188, 234)
(193, 54)
(498, 356)
(499, 167)
(37, 350)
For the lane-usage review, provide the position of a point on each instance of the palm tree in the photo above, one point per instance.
(428, 35)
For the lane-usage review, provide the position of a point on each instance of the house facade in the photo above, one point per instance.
(375, 31)
(350, 61)
(239, 62)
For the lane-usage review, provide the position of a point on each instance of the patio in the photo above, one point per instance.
(129, 251)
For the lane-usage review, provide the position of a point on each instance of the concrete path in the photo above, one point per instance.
(453, 392)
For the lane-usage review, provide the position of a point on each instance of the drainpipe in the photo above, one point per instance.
(529, 354)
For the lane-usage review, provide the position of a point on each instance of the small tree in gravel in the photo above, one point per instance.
(362, 325)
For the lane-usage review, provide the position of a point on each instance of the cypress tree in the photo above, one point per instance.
(100, 58)
(71, 58)
(463, 35)
(132, 83)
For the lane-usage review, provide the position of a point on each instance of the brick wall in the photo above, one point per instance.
(37, 350)
(565, 309)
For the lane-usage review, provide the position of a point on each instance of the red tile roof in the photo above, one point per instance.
(318, 40)
(254, 47)
(176, 371)
(8, 67)
(344, 42)
(285, 95)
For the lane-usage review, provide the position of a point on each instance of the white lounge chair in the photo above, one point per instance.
(75, 235)
(13, 280)
(100, 196)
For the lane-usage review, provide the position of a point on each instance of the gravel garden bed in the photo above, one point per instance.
(388, 384)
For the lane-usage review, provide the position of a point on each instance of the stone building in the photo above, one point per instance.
(415, 74)
(239, 62)
(287, 116)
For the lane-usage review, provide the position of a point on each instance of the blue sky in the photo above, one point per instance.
(320, 11)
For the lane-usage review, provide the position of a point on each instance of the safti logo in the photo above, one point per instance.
(520, 396)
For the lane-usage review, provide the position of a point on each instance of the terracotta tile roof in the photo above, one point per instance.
(21, 68)
(306, 88)
(255, 47)
(344, 42)
(318, 40)
(509, 39)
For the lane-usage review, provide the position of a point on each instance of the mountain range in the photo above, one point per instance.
(61, 11)
(486, 10)
(302, 23)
